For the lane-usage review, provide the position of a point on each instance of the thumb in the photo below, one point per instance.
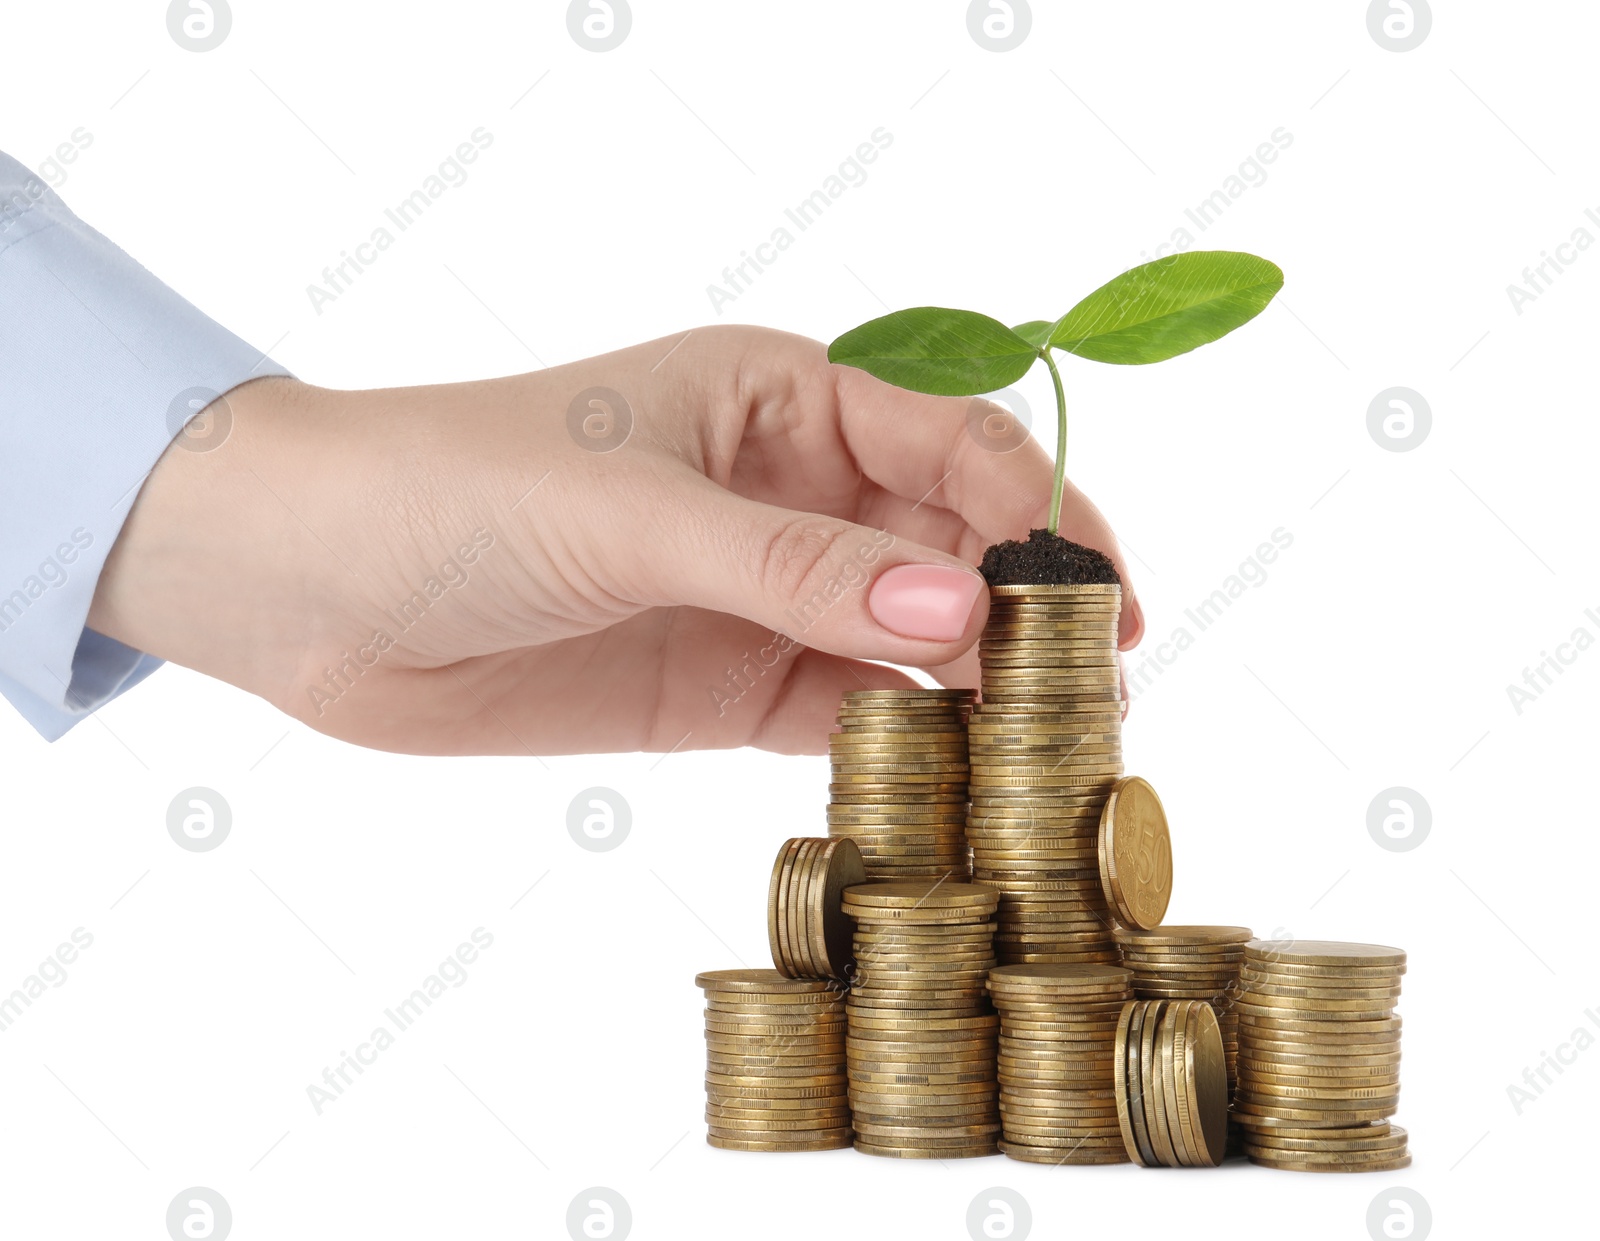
(829, 584)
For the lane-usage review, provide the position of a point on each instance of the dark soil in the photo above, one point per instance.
(1046, 559)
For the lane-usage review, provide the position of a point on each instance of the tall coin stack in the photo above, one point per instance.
(1057, 1070)
(921, 1045)
(1191, 963)
(1319, 1056)
(1045, 749)
(899, 785)
(775, 1062)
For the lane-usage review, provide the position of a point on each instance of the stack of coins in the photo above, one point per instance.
(1058, 1033)
(775, 1062)
(921, 1047)
(1191, 963)
(807, 927)
(900, 781)
(1171, 1084)
(1319, 1056)
(1046, 749)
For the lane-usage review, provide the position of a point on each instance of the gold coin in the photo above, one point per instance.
(1402, 1161)
(804, 1017)
(1268, 1143)
(1168, 1054)
(1325, 1038)
(887, 1101)
(976, 1149)
(780, 1030)
(1270, 993)
(1292, 1129)
(870, 800)
(1175, 969)
(1323, 953)
(930, 1120)
(1012, 957)
(804, 1099)
(1307, 1096)
(834, 1140)
(1034, 716)
(758, 980)
(1133, 1103)
(1094, 772)
(1179, 937)
(1206, 1075)
(916, 694)
(1136, 853)
(1333, 1116)
(816, 1000)
(1214, 996)
(1026, 1106)
(874, 1077)
(921, 1059)
(734, 1064)
(1317, 976)
(741, 1058)
(882, 918)
(1357, 1155)
(799, 886)
(868, 1129)
(1150, 1056)
(922, 939)
(866, 1024)
(840, 866)
(1248, 1005)
(776, 1109)
(881, 971)
(784, 1012)
(1087, 1006)
(721, 1078)
(903, 743)
(915, 939)
(1053, 1155)
(784, 956)
(902, 895)
(1071, 1137)
(738, 1126)
(1287, 1059)
(865, 1044)
(1313, 1074)
(1334, 1029)
(1056, 979)
(734, 1081)
(775, 893)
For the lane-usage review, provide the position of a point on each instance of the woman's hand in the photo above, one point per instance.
(528, 565)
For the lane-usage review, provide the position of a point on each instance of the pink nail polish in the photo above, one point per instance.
(931, 602)
(1135, 626)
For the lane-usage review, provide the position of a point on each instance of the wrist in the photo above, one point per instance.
(213, 569)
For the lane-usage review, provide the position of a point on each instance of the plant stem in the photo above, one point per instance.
(1061, 442)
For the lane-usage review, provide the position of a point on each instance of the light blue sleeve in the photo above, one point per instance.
(101, 366)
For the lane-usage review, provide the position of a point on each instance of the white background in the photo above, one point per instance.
(1377, 652)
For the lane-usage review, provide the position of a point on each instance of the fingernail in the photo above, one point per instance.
(1133, 630)
(927, 601)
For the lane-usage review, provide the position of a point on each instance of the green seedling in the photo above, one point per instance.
(1148, 314)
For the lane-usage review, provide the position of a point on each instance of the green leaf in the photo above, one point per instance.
(1036, 331)
(1161, 309)
(931, 349)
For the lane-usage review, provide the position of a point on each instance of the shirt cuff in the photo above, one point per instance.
(101, 367)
